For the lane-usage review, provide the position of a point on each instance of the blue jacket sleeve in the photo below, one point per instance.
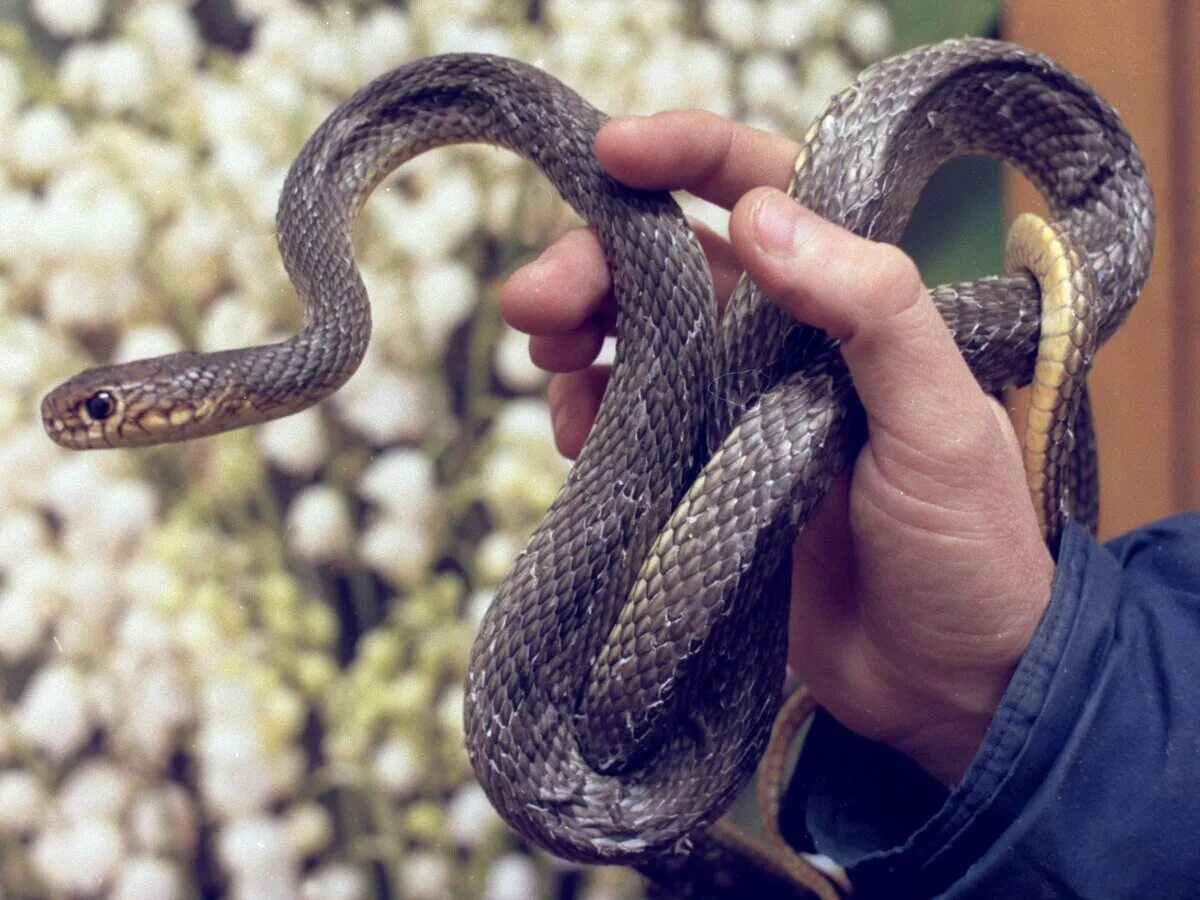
(1088, 780)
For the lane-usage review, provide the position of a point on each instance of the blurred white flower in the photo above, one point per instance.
(296, 444)
(734, 22)
(384, 41)
(23, 623)
(113, 77)
(170, 35)
(23, 534)
(426, 876)
(318, 524)
(78, 858)
(118, 517)
(162, 820)
(159, 707)
(309, 828)
(767, 80)
(23, 802)
(511, 877)
(495, 554)
(91, 588)
(69, 18)
(397, 766)
(470, 817)
(192, 249)
(513, 365)
(868, 31)
(147, 878)
(451, 36)
(260, 857)
(146, 342)
(116, 231)
(443, 295)
(41, 141)
(402, 481)
(386, 406)
(78, 295)
(335, 881)
(96, 789)
(235, 773)
(232, 322)
(12, 89)
(433, 225)
(52, 714)
(789, 24)
(398, 550)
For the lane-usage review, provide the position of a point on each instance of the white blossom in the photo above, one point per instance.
(309, 828)
(52, 714)
(80, 857)
(170, 35)
(97, 789)
(426, 876)
(789, 24)
(236, 777)
(145, 342)
(79, 295)
(868, 31)
(162, 820)
(511, 877)
(192, 249)
(23, 623)
(335, 881)
(232, 322)
(443, 296)
(402, 481)
(296, 444)
(384, 41)
(159, 708)
(69, 18)
(41, 141)
(513, 365)
(495, 554)
(735, 22)
(122, 513)
(398, 550)
(147, 878)
(12, 89)
(387, 406)
(318, 524)
(23, 801)
(112, 78)
(470, 816)
(397, 766)
(259, 855)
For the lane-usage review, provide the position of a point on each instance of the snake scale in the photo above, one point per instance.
(624, 680)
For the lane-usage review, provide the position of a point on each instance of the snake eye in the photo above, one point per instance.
(100, 405)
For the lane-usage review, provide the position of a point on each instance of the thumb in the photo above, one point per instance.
(926, 414)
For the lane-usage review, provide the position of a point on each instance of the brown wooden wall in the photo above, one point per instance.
(1144, 57)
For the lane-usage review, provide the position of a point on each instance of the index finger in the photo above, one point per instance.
(696, 151)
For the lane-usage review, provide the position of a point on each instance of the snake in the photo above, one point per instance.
(624, 680)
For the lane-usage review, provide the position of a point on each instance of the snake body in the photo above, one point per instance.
(625, 678)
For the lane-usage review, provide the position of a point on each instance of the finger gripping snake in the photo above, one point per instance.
(625, 677)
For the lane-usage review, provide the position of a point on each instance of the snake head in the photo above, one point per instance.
(134, 404)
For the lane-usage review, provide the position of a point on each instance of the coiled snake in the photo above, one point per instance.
(624, 681)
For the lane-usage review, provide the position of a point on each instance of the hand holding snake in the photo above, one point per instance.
(624, 681)
(917, 582)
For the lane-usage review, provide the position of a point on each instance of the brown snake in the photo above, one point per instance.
(625, 679)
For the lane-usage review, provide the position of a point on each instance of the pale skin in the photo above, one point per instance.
(920, 579)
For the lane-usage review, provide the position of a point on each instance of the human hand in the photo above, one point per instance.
(921, 576)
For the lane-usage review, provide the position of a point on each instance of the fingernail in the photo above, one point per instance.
(781, 225)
